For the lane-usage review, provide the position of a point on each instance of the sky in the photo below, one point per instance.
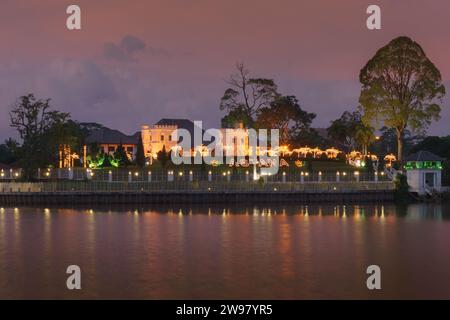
(135, 62)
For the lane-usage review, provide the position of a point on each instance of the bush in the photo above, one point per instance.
(401, 187)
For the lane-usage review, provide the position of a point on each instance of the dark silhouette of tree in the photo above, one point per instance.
(140, 156)
(121, 156)
(343, 130)
(9, 151)
(33, 119)
(286, 115)
(163, 157)
(247, 95)
(236, 116)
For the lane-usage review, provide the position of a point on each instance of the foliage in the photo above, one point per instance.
(67, 133)
(121, 157)
(163, 157)
(402, 88)
(9, 151)
(286, 115)
(96, 160)
(35, 121)
(246, 95)
(343, 130)
(364, 137)
(401, 187)
(235, 116)
(140, 156)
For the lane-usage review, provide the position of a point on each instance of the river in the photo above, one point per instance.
(247, 252)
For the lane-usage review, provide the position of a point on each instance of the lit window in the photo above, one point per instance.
(162, 137)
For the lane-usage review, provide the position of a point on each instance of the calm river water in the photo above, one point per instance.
(295, 252)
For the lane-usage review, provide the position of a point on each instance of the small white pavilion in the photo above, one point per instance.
(424, 173)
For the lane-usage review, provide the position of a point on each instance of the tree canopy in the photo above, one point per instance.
(38, 127)
(246, 96)
(286, 115)
(401, 88)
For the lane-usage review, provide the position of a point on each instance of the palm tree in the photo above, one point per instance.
(364, 136)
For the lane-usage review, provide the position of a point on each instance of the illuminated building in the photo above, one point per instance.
(424, 172)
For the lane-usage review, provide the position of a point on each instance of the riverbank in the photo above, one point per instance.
(91, 192)
(70, 198)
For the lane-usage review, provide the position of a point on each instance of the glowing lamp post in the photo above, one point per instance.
(284, 177)
(149, 176)
(357, 176)
(89, 174)
(302, 177)
(170, 176)
(209, 176)
(191, 176)
(338, 176)
(320, 176)
(110, 177)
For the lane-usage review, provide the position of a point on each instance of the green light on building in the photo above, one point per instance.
(425, 165)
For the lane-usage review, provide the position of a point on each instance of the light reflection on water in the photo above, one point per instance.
(179, 252)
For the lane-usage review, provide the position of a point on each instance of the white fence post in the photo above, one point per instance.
(89, 174)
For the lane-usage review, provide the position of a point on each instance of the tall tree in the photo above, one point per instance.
(163, 157)
(286, 115)
(68, 134)
(235, 116)
(248, 95)
(364, 136)
(343, 130)
(402, 88)
(33, 119)
(140, 156)
(121, 156)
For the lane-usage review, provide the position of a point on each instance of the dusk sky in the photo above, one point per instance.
(137, 61)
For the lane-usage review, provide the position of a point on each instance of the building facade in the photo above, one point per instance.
(107, 141)
(162, 136)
